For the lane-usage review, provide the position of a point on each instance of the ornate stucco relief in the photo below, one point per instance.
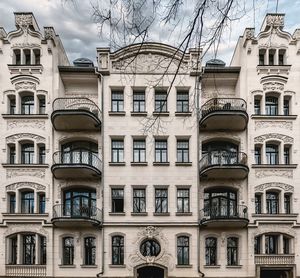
(25, 123)
(286, 139)
(20, 136)
(273, 124)
(284, 186)
(15, 186)
(263, 173)
(37, 173)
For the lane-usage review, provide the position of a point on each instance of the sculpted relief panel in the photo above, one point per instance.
(274, 124)
(263, 173)
(20, 172)
(286, 139)
(284, 186)
(25, 123)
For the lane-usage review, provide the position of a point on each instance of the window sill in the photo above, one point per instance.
(18, 165)
(161, 213)
(183, 114)
(138, 114)
(25, 116)
(287, 166)
(184, 213)
(275, 117)
(212, 266)
(184, 266)
(183, 164)
(161, 163)
(162, 114)
(139, 163)
(117, 265)
(25, 214)
(67, 265)
(116, 213)
(273, 215)
(23, 69)
(234, 266)
(116, 113)
(89, 266)
(116, 163)
(139, 214)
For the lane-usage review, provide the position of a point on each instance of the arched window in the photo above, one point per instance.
(68, 251)
(89, 251)
(183, 250)
(27, 153)
(117, 250)
(211, 251)
(271, 106)
(27, 105)
(27, 202)
(272, 202)
(272, 154)
(232, 250)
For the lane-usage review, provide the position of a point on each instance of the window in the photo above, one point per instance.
(12, 154)
(258, 204)
(27, 105)
(17, 56)
(183, 200)
(117, 197)
(68, 251)
(281, 57)
(139, 200)
(272, 202)
(257, 110)
(183, 246)
(37, 56)
(42, 105)
(161, 101)
(14, 250)
(271, 242)
(271, 106)
(139, 102)
(161, 151)
(89, 251)
(271, 57)
(262, 53)
(12, 105)
(117, 101)
(287, 203)
(286, 107)
(257, 155)
(27, 56)
(286, 155)
(150, 248)
(27, 154)
(183, 151)
(117, 150)
(272, 154)
(117, 250)
(42, 155)
(182, 101)
(139, 151)
(232, 251)
(43, 250)
(286, 245)
(12, 202)
(42, 203)
(211, 251)
(29, 249)
(27, 202)
(161, 200)
(257, 245)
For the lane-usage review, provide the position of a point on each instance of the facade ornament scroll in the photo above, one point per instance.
(18, 228)
(286, 139)
(15, 186)
(273, 86)
(274, 172)
(25, 85)
(20, 136)
(164, 258)
(284, 186)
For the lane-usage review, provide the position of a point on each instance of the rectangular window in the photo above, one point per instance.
(42, 155)
(117, 198)
(89, 251)
(27, 202)
(12, 155)
(271, 57)
(286, 245)
(139, 200)
(281, 57)
(257, 106)
(261, 59)
(43, 250)
(183, 151)
(42, 105)
(139, 102)
(211, 251)
(139, 150)
(12, 105)
(27, 56)
(37, 56)
(183, 251)
(12, 202)
(17, 57)
(272, 202)
(257, 245)
(29, 249)
(14, 250)
(183, 200)
(161, 200)
(272, 155)
(42, 203)
(271, 106)
(182, 101)
(161, 101)
(257, 203)
(68, 251)
(286, 107)
(117, 150)
(287, 203)
(117, 250)
(286, 155)
(117, 101)
(161, 151)
(232, 251)
(271, 242)
(27, 154)
(257, 155)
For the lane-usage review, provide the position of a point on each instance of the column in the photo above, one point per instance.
(280, 104)
(36, 102)
(22, 57)
(36, 202)
(263, 105)
(280, 244)
(37, 249)
(19, 248)
(263, 202)
(18, 104)
(32, 60)
(281, 153)
(263, 154)
(267, 57)
(263, 244)
(18, 152)
(36, 149)
(281, 200)
(18, 201)
(276, 60)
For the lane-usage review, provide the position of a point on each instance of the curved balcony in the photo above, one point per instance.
(75, 114)
(78, 164)
(66, 216)
(224, 114)
(224, 216)
(223, 165)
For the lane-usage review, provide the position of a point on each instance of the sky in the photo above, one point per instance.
(80, 35)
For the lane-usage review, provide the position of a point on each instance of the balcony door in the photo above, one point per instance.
(150, 272)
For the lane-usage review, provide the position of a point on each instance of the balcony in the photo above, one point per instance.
(224, 165)
(224, 114)
(25, 270)
(82, 216)
(278, 259)
(78, 164)
(224, 216)
(75, 114)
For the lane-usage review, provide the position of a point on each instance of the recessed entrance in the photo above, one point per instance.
(276, 273)
(150, 272)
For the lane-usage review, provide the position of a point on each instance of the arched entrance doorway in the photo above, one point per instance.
(150, 272)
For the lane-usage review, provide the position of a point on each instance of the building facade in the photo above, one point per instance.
(149, 164)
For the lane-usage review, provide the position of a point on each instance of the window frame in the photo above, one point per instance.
(27, 202)
(181, 201)
(27, 105)
(160, 103)
(30, 246)
(139, 150)
(183, 152)
(183, 249)
(272, 154)
(161, 200)
(117, 198)
(233, 251)
(182, 104)
(117, 150)
(161, 151)
(272, 204)
(117, 249)
(90, 250)
(68, 250)
(117, 102)
(139, 101)
(211, 254)
(27, 153)
(139, 203)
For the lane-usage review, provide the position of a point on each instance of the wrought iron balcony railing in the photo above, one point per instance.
(223, 212)
(223, 104)
(62, 211)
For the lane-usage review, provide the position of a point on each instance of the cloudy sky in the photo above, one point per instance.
(80, 35)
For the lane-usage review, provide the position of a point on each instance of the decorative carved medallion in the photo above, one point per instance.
(284, 186)
(286, 139)
(20, 136)
(274, 172)
(163, 258)
(20, 172)
(26, 123)
(274, 124)
(15, 186)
